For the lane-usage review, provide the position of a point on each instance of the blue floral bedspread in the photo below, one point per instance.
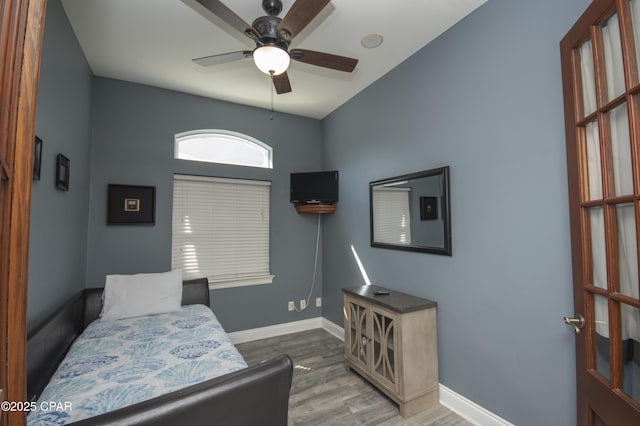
(121, 362)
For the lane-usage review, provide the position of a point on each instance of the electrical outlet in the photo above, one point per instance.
(318, 302)
(303, 303)
(292, 306)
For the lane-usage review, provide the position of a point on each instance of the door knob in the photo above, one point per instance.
(577, 323)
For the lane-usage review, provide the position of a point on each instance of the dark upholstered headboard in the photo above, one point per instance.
(196, 292)
(48, 343)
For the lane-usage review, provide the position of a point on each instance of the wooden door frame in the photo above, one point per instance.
(20, 46)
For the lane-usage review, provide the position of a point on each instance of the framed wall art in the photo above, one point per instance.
(37, 158)
(131, 205)
(428, 208)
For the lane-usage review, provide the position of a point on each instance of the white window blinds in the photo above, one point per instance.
(392, 223)
(221, 230)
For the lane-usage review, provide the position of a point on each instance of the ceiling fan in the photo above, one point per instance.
(272, 36)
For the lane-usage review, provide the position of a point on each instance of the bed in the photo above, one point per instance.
(161, 369)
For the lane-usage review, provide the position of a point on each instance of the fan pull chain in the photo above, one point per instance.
(272, 89)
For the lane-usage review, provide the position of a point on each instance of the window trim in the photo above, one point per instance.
(215, 132)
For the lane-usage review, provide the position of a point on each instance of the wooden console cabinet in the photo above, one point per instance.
(391, 341)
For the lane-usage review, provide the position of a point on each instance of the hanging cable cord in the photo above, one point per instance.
(315, 268)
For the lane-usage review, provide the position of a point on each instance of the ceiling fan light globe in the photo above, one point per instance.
(271, 59)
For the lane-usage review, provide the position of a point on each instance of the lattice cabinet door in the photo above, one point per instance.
(384, 364)
(357, 340)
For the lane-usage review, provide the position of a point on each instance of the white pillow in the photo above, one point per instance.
(128, 296)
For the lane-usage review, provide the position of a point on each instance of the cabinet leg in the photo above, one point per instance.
(408, 409)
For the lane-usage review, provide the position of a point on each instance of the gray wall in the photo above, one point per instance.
(58, 235)
(486, 99)
(133, 141)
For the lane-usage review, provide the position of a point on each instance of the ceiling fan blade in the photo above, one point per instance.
(227, 15)
(281, 83)
(326, 60)
(223, 58)
(301, 13)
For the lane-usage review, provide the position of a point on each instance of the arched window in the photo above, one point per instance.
(223, 146)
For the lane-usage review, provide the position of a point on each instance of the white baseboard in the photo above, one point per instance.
(333, 328)
(469, 410)
(275, 330)
(460, 405)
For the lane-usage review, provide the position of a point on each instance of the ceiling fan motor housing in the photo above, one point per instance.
(267, 26)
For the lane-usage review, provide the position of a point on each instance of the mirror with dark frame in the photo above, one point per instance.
(412, 212)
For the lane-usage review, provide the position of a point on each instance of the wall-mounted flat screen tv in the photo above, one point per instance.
(314, 187)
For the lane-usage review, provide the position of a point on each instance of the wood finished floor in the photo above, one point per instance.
(324, 393)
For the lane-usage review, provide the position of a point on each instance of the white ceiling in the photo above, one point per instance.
(153, 42)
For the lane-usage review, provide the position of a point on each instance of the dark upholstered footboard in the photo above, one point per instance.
(257, 395)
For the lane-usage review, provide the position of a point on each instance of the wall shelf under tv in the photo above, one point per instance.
(316, 208)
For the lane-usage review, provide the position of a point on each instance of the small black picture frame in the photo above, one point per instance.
(63, 165)
(37, 158)
(131, 205)
(428, 208)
